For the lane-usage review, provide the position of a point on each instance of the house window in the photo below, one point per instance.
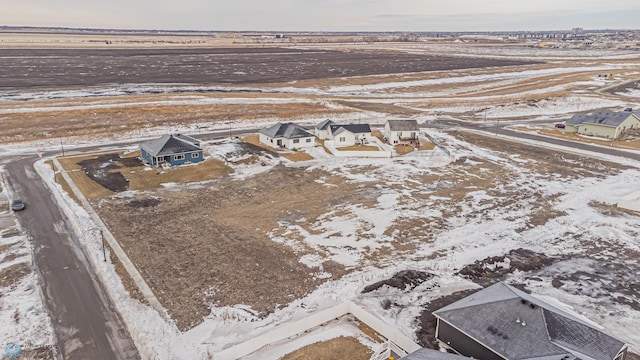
(413, 135)
(271, 140)
(195, 155)
(343, 139)
(178, 157)
(308, 140)
(295, 141)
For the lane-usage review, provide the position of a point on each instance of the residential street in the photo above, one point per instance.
(86, 324)
(490, 128)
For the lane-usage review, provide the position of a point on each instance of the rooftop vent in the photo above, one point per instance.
(523, 301)
(524, 323)
(533, 306)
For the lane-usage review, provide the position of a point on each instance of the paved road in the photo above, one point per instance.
(86, 326)
(491, 128)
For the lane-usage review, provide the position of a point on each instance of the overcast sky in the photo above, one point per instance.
(325, 15)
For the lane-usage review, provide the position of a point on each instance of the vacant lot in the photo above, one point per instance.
(209, 246)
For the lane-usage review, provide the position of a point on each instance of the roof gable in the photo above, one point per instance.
(353, 128)
(520, 326)
(287, 130)
(403, 125)
(324, 124)
(170, 144)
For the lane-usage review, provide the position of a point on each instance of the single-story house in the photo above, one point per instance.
(173, 149)
(501, 322)
(606, 124)
(351, 134)
(287, 135)
(322, 130)
(402, 132)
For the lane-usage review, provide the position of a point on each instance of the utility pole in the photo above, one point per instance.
(62, 146)
(497, 125)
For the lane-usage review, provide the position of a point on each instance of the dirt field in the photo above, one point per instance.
(39, 68)
(243, 266)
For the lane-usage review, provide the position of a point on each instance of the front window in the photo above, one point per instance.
(178, 157)
(195, 155)
(295, 141)
(343, 139)
(308, 140)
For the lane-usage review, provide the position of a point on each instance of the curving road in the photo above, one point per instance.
(492, 128)
(86, 324)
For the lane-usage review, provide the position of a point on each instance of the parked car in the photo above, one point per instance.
(17, 205)
(559, 126)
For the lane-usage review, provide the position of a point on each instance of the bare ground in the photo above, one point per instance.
(340, 348)
(225, 257)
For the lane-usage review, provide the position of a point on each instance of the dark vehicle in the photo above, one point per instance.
(17, 205)
(559, 126)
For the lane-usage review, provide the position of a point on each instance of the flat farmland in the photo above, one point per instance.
(38, 68)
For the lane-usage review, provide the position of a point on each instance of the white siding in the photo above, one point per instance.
(323, 134)
(302, 143)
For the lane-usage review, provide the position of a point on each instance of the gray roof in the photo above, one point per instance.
(600, 117)
(324, 124)
(170, 144)
(403, 125)
(354, 128)
(428, 354)
(287, 130)
(519, 326)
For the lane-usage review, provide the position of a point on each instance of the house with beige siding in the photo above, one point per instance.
(402, 132)
(605, 124)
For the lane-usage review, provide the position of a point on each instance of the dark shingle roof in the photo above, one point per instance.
(403, 125)
(325, 124)
(520, 326)
(287, 130)
(354, 128)
(170, 144)
(428, 354)
(604, 118)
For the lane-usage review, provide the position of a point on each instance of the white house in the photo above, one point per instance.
(351, 134)
(322, 130)
(287, 135)
(402, 132)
